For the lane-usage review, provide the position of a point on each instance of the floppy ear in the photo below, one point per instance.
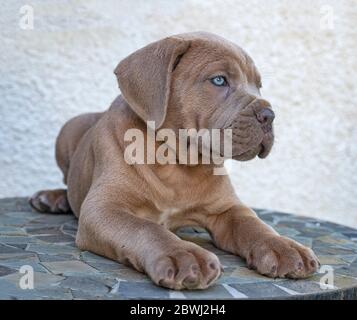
(144, 77)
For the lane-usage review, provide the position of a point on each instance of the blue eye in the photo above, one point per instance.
(219, 81)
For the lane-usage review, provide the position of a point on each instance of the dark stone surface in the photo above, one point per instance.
(61, 271)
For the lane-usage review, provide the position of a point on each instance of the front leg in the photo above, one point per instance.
(107, 227)
(241, 232)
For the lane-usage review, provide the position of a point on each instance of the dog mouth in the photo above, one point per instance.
(261, 150)
(263, 153)
(266, 145)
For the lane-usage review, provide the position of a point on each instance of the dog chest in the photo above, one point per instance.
(168, 215)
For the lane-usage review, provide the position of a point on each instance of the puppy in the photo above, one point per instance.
(128, 212)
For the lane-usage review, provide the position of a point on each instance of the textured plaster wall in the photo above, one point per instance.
(65, 67)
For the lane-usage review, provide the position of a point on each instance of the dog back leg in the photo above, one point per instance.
(56, 201)
(50, 201)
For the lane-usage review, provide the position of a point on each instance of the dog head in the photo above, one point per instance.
(200, 81)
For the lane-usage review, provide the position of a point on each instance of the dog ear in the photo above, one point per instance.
(144, 77)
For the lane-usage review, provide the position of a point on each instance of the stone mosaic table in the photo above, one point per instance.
(61, 271)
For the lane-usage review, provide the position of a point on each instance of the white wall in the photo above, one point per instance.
(65, 67)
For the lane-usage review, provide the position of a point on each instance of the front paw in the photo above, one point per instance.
(281, 257)
(185, 267)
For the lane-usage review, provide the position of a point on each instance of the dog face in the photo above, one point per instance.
(200, 81)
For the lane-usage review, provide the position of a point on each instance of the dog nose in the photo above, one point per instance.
(265, 116)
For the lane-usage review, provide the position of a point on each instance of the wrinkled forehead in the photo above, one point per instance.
(209, 52)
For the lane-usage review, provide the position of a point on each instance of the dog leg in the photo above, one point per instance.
(241, 232)
(50, 201)
(109, 230)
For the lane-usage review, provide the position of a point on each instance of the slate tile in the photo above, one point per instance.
(106, 266)
(345, 281)
(69, 267)
(259, 290)
(348, 258)
(4, 270)
(69, 229)
(57, 257)
(126, 273)
(21, 246)
(17, 264)
(95, 285)
(43, 230)
(300, 286)
(9, 249)
(347, 270)
(330, 250)
(332, 240)
(54, 293)
(17, 239)
(350, 234)
(216, 291)
(51, 220)
(286, 231)
(60, 238)
(49, 247)
(228, 260)
(86, 295)
(246, 275)
(308, 242)
(331, 260)
(12, 231)
(20, 256)
(53, 249)
(42, 280)
(13, 293)
(89, 256)
(9, 291)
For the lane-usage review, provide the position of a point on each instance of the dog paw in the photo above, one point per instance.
(282, 257)
(50, 201)
(186, 268)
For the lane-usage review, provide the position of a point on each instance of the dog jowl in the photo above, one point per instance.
(129, 212)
